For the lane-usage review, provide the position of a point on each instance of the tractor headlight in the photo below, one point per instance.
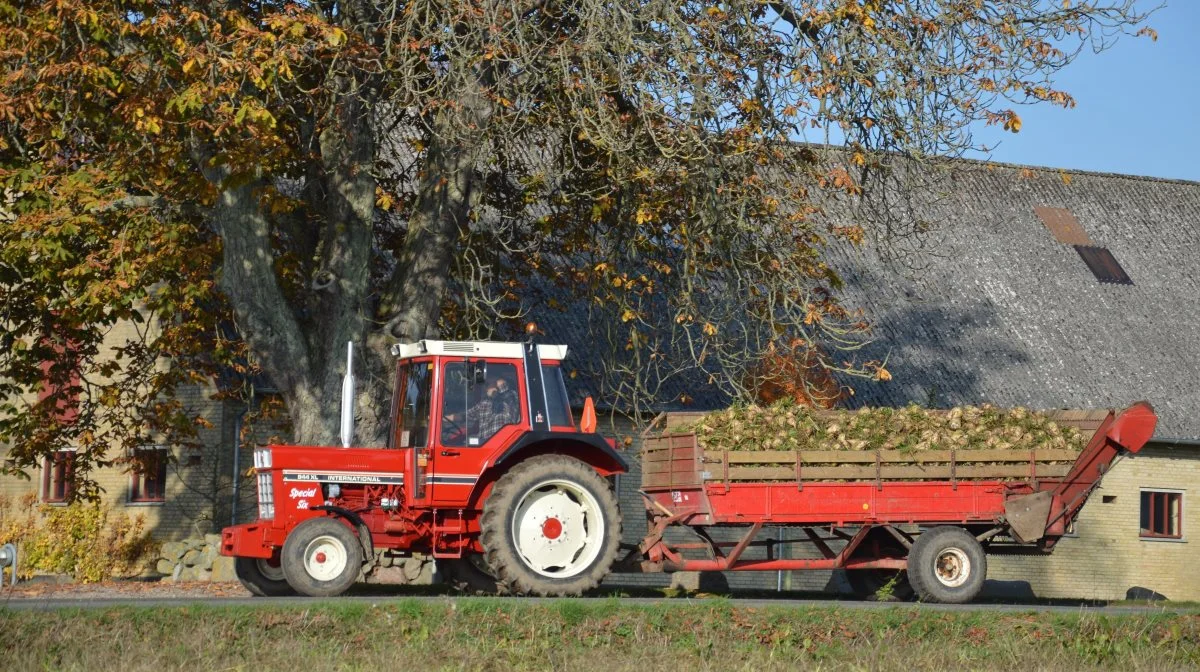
(262, 458)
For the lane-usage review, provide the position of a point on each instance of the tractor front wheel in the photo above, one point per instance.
(263, 578)
(321, 557)
(551, 527)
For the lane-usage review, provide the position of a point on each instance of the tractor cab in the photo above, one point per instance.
(458, 404)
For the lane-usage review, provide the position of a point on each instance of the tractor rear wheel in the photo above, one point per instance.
(947, 564)
(551, 527)
(321, 557)
(263, 578)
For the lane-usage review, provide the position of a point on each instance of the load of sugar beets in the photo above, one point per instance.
(786, 426)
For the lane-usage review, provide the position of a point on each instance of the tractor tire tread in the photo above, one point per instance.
(253, 580)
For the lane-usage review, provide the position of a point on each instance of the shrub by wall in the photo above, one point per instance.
(85, 540)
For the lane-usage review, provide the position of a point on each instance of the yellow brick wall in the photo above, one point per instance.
(198, 481)
(1108, 558)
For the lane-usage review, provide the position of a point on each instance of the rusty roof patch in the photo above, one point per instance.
(1063, 225)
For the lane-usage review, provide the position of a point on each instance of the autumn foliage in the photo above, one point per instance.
(251, 185)
(798, 377)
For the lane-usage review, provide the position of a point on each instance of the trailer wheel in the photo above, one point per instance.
(321, 557)
(947, 565)
(469, 574)
(263, 578)
(551, 527)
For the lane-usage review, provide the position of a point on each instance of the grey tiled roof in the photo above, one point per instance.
(1002, 312)
(1005, 313)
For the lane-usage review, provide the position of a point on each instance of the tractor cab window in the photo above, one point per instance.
(415, 395)
(479, 399)
(556, 396)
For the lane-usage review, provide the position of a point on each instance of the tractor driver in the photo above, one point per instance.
(484, 418)
(506, 404)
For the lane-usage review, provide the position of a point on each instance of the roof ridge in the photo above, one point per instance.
(988, 163)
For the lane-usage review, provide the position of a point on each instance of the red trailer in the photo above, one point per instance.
(935, 514)
(486, 470)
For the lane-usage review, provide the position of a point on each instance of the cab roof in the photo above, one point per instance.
(495, 349)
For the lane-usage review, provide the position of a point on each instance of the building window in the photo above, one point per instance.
(149, 478)
(59, 468)
(1162, 515)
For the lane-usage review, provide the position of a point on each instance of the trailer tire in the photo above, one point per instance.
(322, 557)
(947, 565)
(465, 575)
(551, 527)
(262, 578)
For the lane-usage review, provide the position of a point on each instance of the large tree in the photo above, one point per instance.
(255, 183)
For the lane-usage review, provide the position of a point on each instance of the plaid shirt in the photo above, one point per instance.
(508, 407)
(484, 419)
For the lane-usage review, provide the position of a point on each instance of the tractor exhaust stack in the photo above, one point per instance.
(348, 398)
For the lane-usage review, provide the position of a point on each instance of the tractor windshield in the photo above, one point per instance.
(414, 392)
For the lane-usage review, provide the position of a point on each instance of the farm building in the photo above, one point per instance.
(1051, 289)
(1040, 288)
(1045, 289)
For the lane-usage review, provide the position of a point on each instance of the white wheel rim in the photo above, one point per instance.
(557, 528)
(952, 567)
(270, 573)
(325, 558)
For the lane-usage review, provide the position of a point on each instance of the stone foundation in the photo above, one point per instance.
(195, 560)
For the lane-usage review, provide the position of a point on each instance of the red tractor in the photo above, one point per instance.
(484, 468)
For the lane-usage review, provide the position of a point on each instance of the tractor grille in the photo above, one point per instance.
(266, 496)
(266, 492)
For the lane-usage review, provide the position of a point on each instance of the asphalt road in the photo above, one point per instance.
(50, 603)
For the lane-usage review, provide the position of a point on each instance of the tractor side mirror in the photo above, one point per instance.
(480, 373)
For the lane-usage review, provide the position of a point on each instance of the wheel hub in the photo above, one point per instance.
(557, 528)
(325, 558)
(271, 569)
(952, 567)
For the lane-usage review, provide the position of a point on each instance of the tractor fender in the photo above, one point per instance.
(356, 521)
(591, 448)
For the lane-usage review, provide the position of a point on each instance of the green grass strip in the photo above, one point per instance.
(484, 634)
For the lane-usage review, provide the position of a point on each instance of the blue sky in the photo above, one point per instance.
(1136, 107)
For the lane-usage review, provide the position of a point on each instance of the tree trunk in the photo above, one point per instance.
(306, 360)
(264, 317)
(343, 281)
(414, 297)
